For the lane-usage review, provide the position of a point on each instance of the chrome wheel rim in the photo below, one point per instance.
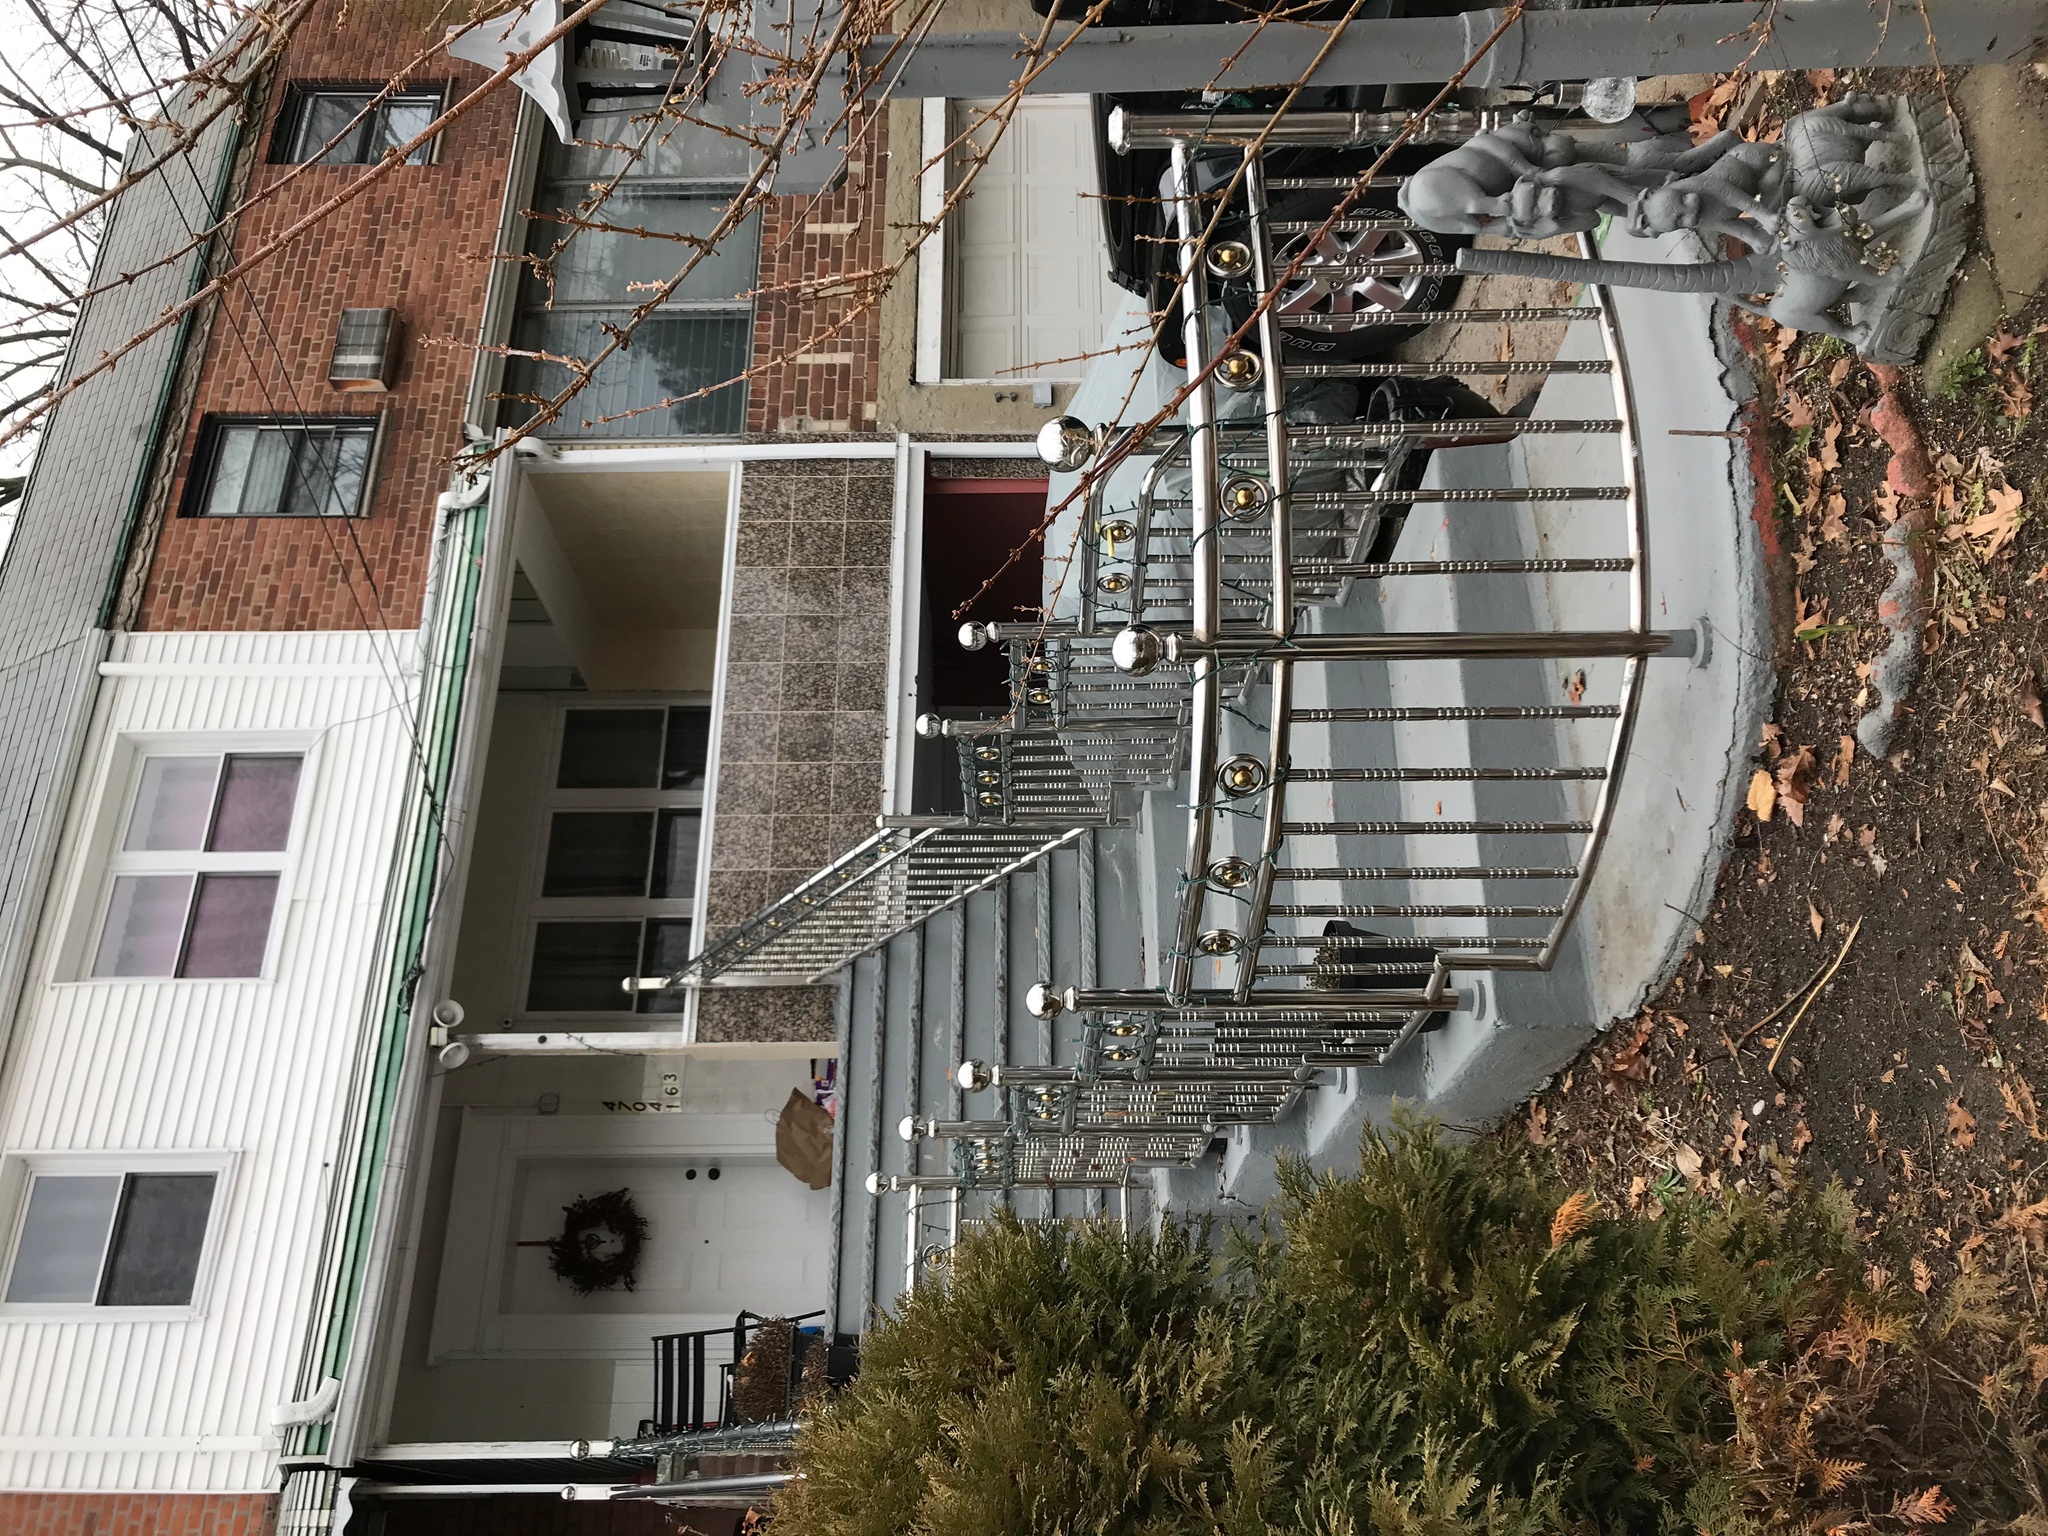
(1329, 282)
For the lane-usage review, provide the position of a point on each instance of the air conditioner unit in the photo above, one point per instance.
(366, 347)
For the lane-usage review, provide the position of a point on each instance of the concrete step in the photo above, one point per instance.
(949, 990)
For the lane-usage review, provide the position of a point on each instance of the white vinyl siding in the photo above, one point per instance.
(255, 1073)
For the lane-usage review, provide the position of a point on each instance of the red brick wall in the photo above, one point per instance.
(420, 241)
(137, 1514)
(812, 270)
(540, 1514)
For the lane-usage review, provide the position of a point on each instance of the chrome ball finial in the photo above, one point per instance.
(1119, 130)
(1042, 1001)
(1135, 650)
(1610, 99)
(1241, 370)
(1067, 442)
(908, 1128)
(930, 727)
(1229, 258)
(874, 1182)
(973, 1076)
(973, 636)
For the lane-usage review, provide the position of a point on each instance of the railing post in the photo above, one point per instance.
(1280, 602)
(1204, 714)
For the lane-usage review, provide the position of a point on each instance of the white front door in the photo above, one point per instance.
(754, 1239)
(744, 1241)
(1028, 294)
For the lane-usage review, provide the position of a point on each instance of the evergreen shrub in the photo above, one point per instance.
(1439, 1343)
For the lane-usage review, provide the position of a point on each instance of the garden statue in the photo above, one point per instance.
(1850, 225)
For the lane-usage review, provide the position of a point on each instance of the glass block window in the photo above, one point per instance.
(668, 191)
(192, 888)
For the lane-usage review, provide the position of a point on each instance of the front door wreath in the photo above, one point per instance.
(600, 1242)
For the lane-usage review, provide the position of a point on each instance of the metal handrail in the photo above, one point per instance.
(899, 877)
(1213, 641)
(1215, 595)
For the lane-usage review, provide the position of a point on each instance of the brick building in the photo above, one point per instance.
(319, 754)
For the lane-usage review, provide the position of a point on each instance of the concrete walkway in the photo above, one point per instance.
(1687, 769)
(2005, 118)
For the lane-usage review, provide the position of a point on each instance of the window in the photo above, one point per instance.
(677, 187)
(339, 125)
(294, 468)
(111, 1238)
(194, 881)
(618, 874)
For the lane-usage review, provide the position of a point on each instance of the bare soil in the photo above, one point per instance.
(1908, 1071)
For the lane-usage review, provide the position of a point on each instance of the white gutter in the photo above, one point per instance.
(627, 1042)
(906, 625)
(700, 892)
(437, 958)
(593, 1492)
(310, 1410)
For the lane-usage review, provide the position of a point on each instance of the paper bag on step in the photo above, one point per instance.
(803, 1139)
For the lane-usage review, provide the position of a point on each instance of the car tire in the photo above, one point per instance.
(1416, 402)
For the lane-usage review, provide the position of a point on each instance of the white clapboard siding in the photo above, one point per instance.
(259, 1070)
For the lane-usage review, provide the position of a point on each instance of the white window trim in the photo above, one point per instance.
(113, 796)
(931, 256)
(18, 1168)
(537, 909)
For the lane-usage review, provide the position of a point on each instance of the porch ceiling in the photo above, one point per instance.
(645, 548)
(629, 567)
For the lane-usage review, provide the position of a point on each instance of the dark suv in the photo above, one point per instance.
(1330, 282)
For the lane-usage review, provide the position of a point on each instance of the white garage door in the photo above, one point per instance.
(1028, 294)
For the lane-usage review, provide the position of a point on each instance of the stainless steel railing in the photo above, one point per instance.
(897, 878)
(1204, 583)
(1088, 1127)
(1029, 785)
(1232, 616)
(1113, 731)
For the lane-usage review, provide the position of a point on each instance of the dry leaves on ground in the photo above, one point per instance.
(1962, 1125)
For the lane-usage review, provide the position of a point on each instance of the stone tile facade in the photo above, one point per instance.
(801, 743)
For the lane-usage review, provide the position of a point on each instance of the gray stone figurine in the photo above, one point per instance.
(1851, 225)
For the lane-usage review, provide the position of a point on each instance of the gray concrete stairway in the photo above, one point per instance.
(953, 989)
(1090, 915)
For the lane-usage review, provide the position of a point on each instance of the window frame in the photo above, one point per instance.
(20, 1168)
(104, 859)
(298, 95)
(533, 302)
(205, 462)
(537, 909)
